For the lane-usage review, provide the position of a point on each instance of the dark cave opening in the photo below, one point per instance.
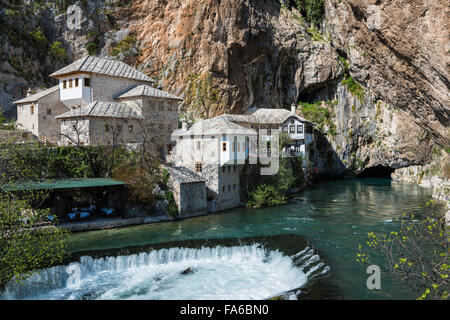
(377, 172)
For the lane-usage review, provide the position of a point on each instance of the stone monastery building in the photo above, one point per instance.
(101, 101)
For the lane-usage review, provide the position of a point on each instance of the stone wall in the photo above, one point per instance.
(27, 120)
(106, 88)
(41, 123)
(229, 187)
(190, 198)
(48, 125)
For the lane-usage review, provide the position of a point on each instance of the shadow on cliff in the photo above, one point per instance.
(325, 159)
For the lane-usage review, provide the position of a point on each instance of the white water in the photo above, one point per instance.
(239, 272)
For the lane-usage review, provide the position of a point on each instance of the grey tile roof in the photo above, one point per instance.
(105, 66)
(271, 116)
(184, 175)
(145, 90)
(215, 126)
(103, 110)
(37, 96)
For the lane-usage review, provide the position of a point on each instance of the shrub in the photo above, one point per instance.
(123, 46)
(314, 10)
(355, 88)
(415, 253)
(92, 47)
(172, 208)
(40, 40)
(57, 50)
(316, 113)
(265, 196)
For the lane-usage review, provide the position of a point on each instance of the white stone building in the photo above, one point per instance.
(101, 101)
(217, 149)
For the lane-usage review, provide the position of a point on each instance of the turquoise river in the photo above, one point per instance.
(334, 217)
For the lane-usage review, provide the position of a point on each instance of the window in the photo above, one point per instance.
(106, 128)
(229, 169)
(170, 148)
(197, 145)
(32, 109)
(87, 82)
(223, 188)
(234, 187)
(238, 146)
(223, 169)
(198, 167)
(76, 83)
(119, 128)
(65, 84)
(285, 129)
(49, 111)
(291, 129)
(299, 129)
(70, 83)
(130, 129)
(229, 188)
(234, 168)
(224, 146)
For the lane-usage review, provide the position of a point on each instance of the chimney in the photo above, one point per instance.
(29, 92)
(293, 108)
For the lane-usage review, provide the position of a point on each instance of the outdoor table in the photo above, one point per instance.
(72, 215)
(84, 214)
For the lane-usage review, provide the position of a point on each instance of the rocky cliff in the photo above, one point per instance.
(375, 76)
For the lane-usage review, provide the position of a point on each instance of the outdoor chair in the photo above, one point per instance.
(108, 211)
(72, 215)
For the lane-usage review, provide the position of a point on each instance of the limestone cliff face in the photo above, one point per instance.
(229, 55)
(252, 52)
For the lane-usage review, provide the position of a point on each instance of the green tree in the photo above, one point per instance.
(417, 253)
(58, 51)
(28, 239)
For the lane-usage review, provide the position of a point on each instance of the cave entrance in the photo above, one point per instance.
(377, 172)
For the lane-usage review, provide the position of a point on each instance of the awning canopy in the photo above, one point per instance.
(62, 184)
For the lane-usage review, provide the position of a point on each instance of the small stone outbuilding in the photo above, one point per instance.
(189, 190)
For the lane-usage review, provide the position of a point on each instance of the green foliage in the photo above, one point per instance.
(172, 208)
(140, 171)
(416, 253)
(447, 150)
(313, 10)
(315, 34)
(58, 162)
(355, 88)
(123, 46)
(266, 196)
(40, 40)
(3, 119)
(165, 176)
(344, 65)
(272, 190)
(202, 96)
(316, 113)
(28, 240)
(57, 50)
(92, 47)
